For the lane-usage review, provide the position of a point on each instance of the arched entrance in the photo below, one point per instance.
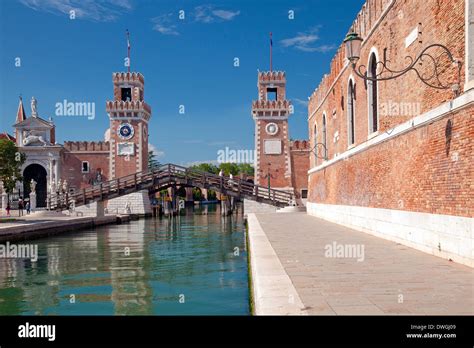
(38, 174)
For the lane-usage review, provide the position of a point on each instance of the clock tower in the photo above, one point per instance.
(272, 145)
(129, 115)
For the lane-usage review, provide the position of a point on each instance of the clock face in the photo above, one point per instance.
(126, 131)
(271, 129)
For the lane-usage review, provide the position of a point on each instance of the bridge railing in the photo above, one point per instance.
(169, 173)
(235, 184)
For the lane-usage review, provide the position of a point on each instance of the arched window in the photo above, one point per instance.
(315, 144)
(372, 89)
(325, 152)
(350, 113)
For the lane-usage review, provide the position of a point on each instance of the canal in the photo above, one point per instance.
(194, 264)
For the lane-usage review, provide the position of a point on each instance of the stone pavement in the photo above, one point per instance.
(390, 279)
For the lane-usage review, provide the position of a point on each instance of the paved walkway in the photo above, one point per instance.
(48, 223)
(391, 278)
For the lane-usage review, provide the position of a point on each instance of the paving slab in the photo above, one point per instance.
(390, 279)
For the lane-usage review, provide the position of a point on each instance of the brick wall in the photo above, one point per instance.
(425, 170)
(300, 154)
(414, 171)
(96, 153)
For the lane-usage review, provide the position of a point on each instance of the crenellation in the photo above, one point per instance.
(90, 146)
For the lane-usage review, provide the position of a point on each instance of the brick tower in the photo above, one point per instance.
(270, 113)
(129, 115)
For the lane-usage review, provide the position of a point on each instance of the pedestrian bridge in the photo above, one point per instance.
(171, 175)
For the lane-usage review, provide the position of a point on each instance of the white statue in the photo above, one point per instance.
(30, 138)
(34, 111)
(127, 208)
(52, 187)
(65, 185)
(33, 186)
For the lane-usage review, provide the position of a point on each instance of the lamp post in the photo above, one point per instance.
(353, 44)
(269, 177)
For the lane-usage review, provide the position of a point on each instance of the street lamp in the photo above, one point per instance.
(269, 177)
(353, 44)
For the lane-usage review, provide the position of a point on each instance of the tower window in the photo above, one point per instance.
(126, 94)
(272, 94)
(85, 167)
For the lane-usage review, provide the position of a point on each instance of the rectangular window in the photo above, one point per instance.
(304, 193)
(272, 94)
(126, 94)
(85, 167)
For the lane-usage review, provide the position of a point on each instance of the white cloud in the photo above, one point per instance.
(164, 24)
(300, 101)
(207, 14)
(306, 41)
(93, 10)
(203, 14)
(226, 15)
(302, 39)
(156, 152)
(167, 24)
(221, 143)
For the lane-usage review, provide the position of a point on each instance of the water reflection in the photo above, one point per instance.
(183, 265)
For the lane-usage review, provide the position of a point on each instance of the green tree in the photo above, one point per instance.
(11, 161)
(206, 167)
(246, 168)
(229, 168)
(152, 162)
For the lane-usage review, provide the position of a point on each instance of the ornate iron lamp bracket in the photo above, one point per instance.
(430, 78)
(315, 151)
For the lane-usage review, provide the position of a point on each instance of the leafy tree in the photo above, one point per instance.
(152, 162)
(206, 167)
(11, 161)
(246, 168)
(229, 168)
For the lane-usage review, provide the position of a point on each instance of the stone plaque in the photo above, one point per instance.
(126, 149)
(272, 147)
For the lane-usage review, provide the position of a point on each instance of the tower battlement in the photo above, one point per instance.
(271, 95)
(299, 145)
(131, 77)
(271, 77)
(89, 146)
(120, 108)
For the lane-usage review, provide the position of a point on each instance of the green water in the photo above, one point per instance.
(184, 266)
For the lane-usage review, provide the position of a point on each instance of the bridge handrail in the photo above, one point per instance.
(173, 172)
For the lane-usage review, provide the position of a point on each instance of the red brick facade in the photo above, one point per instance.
(285, 162)
(300, 153)
(427, 168)
(96, 154)
(128, 109)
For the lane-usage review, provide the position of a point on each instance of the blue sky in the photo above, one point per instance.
(186, 62)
